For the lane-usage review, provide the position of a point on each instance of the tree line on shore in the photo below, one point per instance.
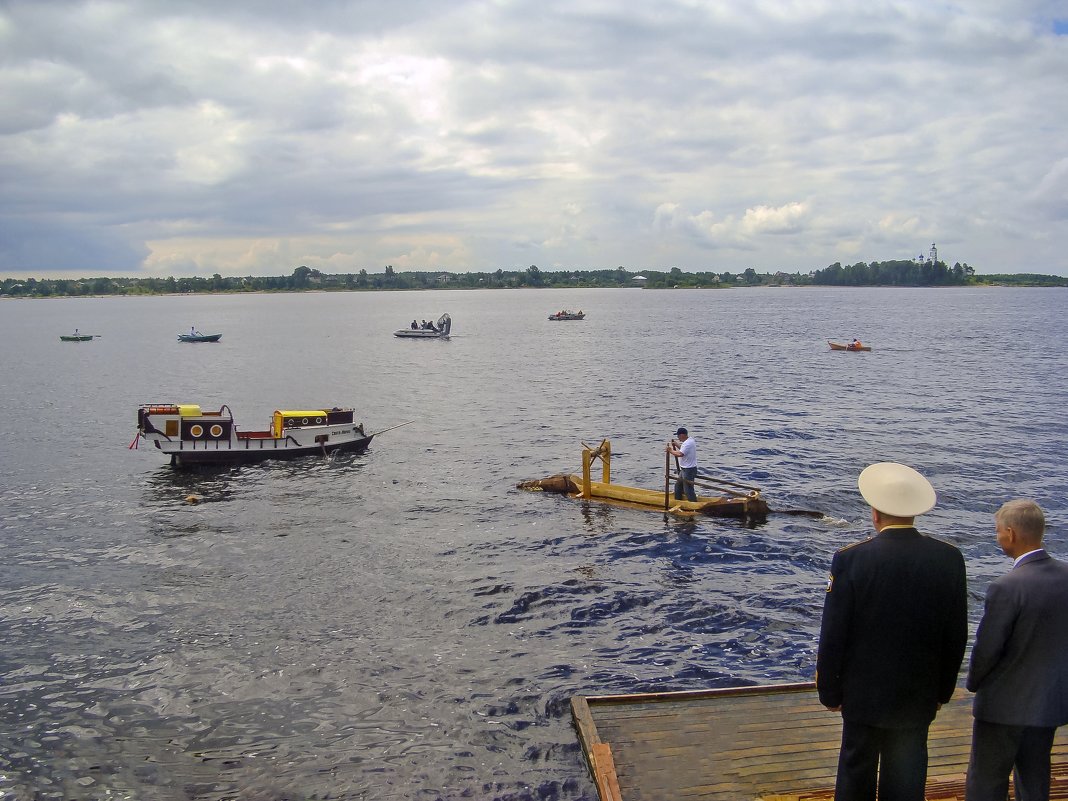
(901, 273)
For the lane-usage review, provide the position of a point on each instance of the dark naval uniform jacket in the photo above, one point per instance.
(895, 624)
(1019, 665)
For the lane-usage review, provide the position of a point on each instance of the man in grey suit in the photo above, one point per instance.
(1019, 665)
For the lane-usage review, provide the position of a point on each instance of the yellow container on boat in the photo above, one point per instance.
(188, 410)
(296, 417)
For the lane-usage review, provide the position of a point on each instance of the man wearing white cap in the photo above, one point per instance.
(895, 624)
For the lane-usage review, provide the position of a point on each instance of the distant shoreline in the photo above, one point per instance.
(886, 274)
(976, 285)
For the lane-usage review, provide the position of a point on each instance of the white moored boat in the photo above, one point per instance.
(191, 436)
(440, 330)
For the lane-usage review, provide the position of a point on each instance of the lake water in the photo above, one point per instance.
(404, 623)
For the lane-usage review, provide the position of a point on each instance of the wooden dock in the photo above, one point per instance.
(773, 743)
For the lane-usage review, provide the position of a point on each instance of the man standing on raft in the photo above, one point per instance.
(685, 450)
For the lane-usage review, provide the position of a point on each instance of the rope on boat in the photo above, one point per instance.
(133, 445)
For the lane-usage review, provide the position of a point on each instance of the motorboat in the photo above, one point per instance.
(848, 346)
(192, 436)
(438, 330)
(567, 314)
(196, 336)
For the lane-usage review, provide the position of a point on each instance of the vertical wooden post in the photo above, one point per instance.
(667, 479)
(606, 461)
(586, 490)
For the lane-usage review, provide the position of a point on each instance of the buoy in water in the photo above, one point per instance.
(192, 499)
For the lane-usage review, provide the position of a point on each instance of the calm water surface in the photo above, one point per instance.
(404, 623)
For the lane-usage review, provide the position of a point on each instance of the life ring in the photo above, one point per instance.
(216, 430)
(196, 430)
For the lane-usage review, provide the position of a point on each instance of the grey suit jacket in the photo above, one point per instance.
(1019, 665)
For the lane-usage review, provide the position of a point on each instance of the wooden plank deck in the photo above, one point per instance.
(776, 743)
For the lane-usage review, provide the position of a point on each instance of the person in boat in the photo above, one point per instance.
(685, 450)
(892, 638)
(1019, 664)
(855, 344)
(415, 325)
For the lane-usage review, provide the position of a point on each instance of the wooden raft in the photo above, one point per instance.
(773, 743)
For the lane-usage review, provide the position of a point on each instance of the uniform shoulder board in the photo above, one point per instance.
(853, 545)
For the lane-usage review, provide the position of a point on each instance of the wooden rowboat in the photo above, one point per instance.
(838, 346)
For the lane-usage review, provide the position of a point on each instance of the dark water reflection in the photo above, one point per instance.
(404, 623)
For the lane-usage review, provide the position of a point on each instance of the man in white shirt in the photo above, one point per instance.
(685, 450)
(1019, 666)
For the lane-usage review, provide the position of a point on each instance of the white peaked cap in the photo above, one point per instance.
(896, 489)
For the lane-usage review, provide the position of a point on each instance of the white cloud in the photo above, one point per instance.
(484, 135)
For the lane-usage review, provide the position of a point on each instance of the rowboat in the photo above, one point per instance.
(567, 314)
(76, 337)
(735, 500)
(837, 346)
(440, 330)
(192, 436)
(196, 336)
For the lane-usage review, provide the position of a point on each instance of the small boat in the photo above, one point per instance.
(439, 330)
(849, 346)
(76, 337)
(736, 500)
(196, 336)
(567, 314)
(191, 436)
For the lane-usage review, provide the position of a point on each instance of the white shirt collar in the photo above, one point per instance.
(1016, 561)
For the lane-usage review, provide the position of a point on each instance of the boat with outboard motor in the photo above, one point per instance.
(440, 330)
(567, 314)
(192, 436)
(196, 336)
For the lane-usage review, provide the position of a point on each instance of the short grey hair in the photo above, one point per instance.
(1024, 517)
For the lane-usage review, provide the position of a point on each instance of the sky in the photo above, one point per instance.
(157, 138)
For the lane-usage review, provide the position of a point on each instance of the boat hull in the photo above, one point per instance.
(254, 451)
(193, 438)
(412, 333)
(199, 337)
(560, 317)
(837, 346)
(76, 338)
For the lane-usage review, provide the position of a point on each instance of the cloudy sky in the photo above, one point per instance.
(174, 138)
